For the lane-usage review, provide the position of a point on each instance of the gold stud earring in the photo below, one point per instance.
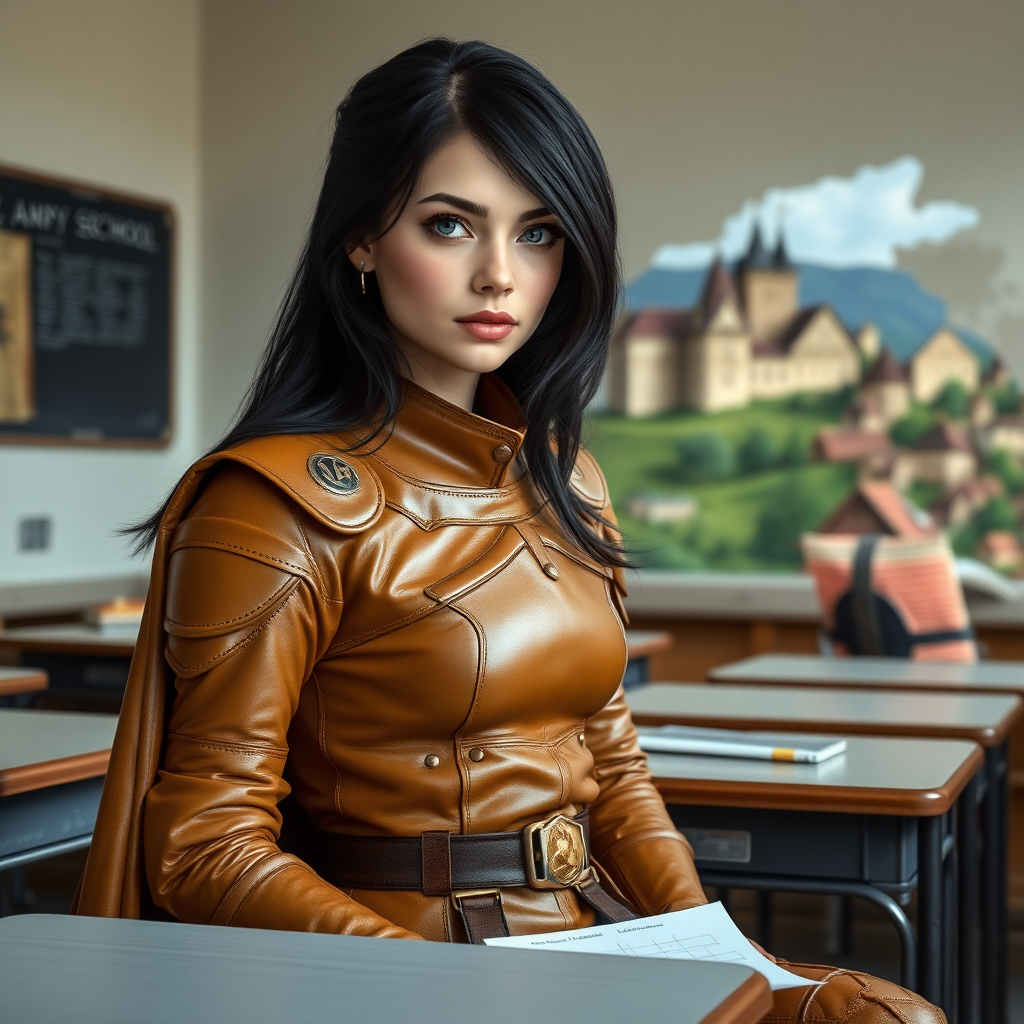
(362, 276)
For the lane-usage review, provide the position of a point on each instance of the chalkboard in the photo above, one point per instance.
(85, 314)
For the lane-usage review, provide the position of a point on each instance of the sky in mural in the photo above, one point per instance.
(861, 220)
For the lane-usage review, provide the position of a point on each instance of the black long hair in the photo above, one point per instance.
(331, 365)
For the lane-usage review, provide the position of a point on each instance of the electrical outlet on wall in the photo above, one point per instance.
(35, 533)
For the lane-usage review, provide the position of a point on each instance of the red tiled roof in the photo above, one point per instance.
(659, 323)
(944, 437)
(885, 368)
(888, 506)
(837, 444)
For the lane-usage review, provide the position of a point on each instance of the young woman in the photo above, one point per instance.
(394, 590)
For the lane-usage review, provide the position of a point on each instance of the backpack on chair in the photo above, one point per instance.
(890, 596)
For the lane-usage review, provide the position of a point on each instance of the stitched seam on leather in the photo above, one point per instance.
(321, 583)
(231, 650)
(199, 542)
(322, 740)
(452, 491)
(369, 634)
(234, 748)
(469, 565)
(478, 520)
(481, 672)
(238, 618)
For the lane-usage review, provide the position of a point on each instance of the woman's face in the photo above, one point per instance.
(467, 270)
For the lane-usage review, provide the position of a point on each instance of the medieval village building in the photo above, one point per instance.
(747, 338)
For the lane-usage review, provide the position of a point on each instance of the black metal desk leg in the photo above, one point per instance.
(994, 819)
(929, 908)
(967, 917)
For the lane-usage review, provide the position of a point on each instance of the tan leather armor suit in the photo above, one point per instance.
(408, 629)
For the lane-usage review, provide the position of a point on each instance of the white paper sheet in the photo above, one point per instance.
(701, 933)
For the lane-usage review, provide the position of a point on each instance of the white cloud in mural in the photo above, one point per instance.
(856, 221)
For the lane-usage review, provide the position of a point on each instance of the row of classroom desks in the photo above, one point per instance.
(894, 814)
(783, 827)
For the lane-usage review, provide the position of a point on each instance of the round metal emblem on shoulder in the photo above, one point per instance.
(332, 474)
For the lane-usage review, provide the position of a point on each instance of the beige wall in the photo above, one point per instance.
(698, 106)
(224, 107)
(106, 91)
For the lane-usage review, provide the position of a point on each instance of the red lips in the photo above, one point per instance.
(485, 316)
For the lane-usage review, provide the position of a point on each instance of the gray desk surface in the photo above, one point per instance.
(48, 747)
(124, 972)
(875, 775)
(982, 717)
(882, 673)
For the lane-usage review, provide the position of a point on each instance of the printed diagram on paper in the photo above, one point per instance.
(696, 947)
(701, 933)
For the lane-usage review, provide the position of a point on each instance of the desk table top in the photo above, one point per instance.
(46, 748)
(70, 638)
(21, 680)
(879, 673)
(909, 777)
(985, 718)
(118, 971)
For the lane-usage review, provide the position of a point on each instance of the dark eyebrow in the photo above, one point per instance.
(476, 209)
(462, 204)
(541, 211)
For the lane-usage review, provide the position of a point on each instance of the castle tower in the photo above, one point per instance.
(768, 284)
(715, 368)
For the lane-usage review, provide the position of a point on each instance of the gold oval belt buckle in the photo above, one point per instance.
(554, 852)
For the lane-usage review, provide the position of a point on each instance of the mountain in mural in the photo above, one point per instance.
(905, 314)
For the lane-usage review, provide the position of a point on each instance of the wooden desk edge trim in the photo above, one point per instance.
(24, 684)
(747, 1005)
(985, 736)
(53, 773)
(786, 796)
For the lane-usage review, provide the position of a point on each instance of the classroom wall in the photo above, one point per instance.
(698, 106)
(224, 108)
(105, 91)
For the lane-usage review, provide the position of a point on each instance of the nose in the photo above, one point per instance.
(494, 275)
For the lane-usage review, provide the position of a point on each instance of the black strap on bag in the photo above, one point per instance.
(868, 624)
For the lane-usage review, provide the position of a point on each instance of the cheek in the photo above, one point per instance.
(411, 277)
(539, 280)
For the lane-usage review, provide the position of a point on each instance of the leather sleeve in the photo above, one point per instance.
(631, 834)
(248, 613)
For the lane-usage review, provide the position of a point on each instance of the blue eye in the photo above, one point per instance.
(447, 226)
(535, 236)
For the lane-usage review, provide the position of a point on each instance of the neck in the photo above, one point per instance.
(442, 379)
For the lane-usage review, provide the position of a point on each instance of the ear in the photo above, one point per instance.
(364, 254)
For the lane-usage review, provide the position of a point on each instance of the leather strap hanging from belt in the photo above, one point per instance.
(472, 869)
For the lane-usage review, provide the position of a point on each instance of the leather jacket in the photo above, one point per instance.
(405, 641)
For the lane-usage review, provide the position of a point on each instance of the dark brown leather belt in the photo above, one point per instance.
(472, 869)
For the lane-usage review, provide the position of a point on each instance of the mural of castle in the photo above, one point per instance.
(747, 338)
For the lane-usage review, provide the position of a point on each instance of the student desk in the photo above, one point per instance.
(641, 644)
(81, 661)
(114, 971)
(1003, 677)
(52, 766)
(984, 718)
(870, 822)
(84, 662)
(15, 682)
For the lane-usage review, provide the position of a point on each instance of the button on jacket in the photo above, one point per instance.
(405, 636)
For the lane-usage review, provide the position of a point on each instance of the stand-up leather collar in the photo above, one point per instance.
(437, 442)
